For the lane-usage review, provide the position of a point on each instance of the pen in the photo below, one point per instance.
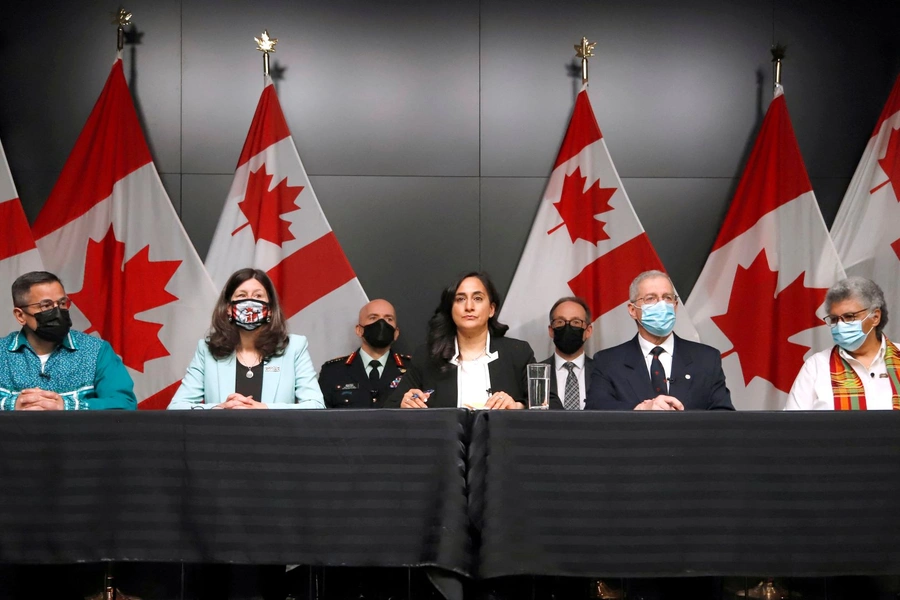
(427, 393)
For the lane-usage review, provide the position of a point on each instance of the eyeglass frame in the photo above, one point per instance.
(674, 301)
(584, 324)
(853, 319)
(52, 304)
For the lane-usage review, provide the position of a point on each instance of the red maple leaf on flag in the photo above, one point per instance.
(113, 293)
(263, 207)
(896, 246)
(759, 322)
(578, 207)
(890, 164)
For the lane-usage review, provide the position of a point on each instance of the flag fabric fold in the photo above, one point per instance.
(18, 252)
(272, 221)
(111, 234)
(866, 230)
(586, 241)
(759, 297)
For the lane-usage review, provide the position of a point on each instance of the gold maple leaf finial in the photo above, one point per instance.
(121, 17)
(264, 43)
(585, 49)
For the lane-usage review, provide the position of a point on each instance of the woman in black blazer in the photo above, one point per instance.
(466, 361)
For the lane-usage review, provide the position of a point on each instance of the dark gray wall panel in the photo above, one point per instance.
(172, 184)
(682, 218)
(202, 199)
(674, 85)
(367, 89)
(56, 57)
(406, 237)
(508, 207)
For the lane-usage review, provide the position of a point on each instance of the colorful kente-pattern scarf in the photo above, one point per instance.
(847, 387)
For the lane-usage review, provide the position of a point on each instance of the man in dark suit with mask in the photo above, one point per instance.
(365, 378)
(657, 370)
(570, 368)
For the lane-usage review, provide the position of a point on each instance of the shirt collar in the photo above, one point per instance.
(668, 345)
(367, 360)
(878, 357)
(19, 341)
(488, 355)
(559, 361)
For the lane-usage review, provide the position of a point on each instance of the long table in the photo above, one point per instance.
(662, 494)
(481, 495)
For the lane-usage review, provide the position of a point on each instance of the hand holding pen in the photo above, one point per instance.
(415, 398)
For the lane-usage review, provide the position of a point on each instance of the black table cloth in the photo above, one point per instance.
(355, 488)
(622, 494)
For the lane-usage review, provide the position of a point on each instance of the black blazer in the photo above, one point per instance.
(620, 381)
(555, 402)
(508, 374)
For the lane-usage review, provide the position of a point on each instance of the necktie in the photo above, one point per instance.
(572, 401)
(373, 375)
(658, 373)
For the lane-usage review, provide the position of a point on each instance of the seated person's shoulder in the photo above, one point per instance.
(335, 363)
(84, 341)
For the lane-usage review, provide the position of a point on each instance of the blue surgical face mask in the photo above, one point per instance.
(850, 336)
(658, 319)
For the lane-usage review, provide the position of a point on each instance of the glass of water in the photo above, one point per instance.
(539, 386)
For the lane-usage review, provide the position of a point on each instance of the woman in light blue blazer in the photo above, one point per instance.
(249, 360)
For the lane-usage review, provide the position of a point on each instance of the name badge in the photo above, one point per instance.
(273, 369)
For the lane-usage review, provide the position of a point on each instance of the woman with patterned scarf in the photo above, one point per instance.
(862, 370)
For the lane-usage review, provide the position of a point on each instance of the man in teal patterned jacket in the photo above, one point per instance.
(47, 366)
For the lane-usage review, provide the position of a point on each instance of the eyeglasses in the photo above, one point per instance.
(653, 299)
(44, 305)
(833, 320)
(577, 323)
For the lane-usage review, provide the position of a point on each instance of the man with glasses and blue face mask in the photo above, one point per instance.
(862, 370)
(657, 370)
(47, 366)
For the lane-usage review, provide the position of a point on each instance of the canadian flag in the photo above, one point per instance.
(759, 297)
(866, 230)
(586, 241)
(272, 221)
(109, 231)
(18, 254)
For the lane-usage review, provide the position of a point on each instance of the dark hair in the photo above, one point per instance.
(21, 287)
(224, 336)
(579, 301)
(442, 329)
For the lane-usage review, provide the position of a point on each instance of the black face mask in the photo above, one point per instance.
(379, 334)
(53, 325)
(568, 339)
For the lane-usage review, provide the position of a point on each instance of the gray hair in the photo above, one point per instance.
(633, 288)
(865, 291)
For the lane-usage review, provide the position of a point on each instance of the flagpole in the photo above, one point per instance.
(777, 56)
(265, 44)
(584, 51)
(121, 18)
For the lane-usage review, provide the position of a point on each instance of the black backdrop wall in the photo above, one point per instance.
(428, 129)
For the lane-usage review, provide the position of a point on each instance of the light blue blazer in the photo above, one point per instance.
(289, 380)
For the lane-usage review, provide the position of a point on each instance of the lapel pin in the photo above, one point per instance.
(687, 376)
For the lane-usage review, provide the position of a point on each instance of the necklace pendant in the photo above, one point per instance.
(249, 373)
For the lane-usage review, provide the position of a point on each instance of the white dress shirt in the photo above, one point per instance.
(665, 358)
(812, 388)
(562, 374)
(473, 378)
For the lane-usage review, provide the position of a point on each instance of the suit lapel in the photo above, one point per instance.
(272, 379)
(227, 371)
(680, 386)
(638, 375)
(588, 369)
